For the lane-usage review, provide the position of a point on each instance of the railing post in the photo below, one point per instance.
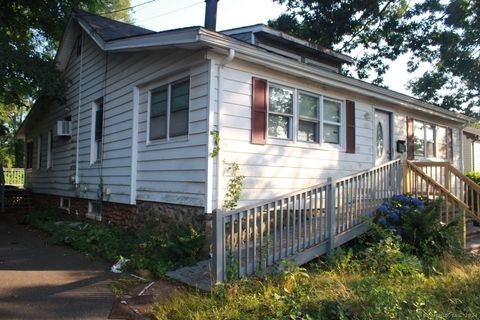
(2, 189)
(218, 246)
(331, 189)
(406, 177)
(446, 172)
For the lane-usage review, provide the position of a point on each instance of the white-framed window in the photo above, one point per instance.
(50, 150)
(308, 117)
(332, 120)
(168, 110)
(96, 143)
(39, 152)
(441, 143)
(94, 210)
(313, 117)
(430, 141)
(64, 203)
(280, 112)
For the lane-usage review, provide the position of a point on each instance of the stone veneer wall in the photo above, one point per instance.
(163, 217)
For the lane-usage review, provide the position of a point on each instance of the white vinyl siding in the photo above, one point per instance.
(121, 73)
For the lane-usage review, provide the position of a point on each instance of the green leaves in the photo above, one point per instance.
(445, 35)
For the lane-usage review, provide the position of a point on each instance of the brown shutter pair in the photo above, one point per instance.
(259, 116)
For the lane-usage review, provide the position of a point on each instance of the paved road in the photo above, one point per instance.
(41, 281)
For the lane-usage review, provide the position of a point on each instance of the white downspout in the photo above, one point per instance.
(228, 59)
(77, 178)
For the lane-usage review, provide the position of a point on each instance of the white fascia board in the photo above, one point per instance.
(167, 38)
(91, 32)
(253, 54)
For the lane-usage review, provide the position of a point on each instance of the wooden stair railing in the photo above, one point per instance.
(420, 184)
(455, 182)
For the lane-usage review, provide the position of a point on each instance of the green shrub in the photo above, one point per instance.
(418, 223)
(146, 250)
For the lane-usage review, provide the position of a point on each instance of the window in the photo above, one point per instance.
(50, 149)
(65, 203)
(308, 118)
(96, 145)
(280, 112)
(442, 143)
(169, 110)
(331, 121)
(94, 210)
(430, 141)
(419, 136)
(39, 152)
(29, 155)
(319, 119)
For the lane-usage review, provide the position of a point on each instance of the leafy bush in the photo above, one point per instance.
(475, 176)
(418, 223)
(147, 250)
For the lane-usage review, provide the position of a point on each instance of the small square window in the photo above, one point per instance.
(64, 203)
(94, 210)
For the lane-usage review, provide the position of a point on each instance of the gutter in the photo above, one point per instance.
(253, 54)
(229, 58)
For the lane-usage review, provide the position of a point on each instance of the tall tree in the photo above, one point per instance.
(30, 31)
(442, 33)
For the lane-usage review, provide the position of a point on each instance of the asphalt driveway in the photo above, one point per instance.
(41, 281)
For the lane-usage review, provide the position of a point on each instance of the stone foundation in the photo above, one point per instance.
(162, 217)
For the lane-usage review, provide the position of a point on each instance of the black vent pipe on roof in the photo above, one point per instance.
(211, 14)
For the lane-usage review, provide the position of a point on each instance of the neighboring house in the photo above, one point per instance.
(471, 142)
(136, 130)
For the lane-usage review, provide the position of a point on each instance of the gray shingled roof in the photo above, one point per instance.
(109, 29)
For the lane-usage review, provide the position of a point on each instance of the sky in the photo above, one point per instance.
(171, 14)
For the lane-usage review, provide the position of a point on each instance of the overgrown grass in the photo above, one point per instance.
(147, 250)
(408, 266)
(338, 293)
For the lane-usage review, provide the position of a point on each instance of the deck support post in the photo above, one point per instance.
(218, 247)
(331, 188)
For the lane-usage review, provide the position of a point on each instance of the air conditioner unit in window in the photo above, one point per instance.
(63, 128)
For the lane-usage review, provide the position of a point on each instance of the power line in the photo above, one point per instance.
(170, 12)
(128, 8)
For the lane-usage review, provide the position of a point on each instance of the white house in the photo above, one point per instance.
(471, 142)
(132, 143)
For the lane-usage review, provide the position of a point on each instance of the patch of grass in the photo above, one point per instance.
(146, 249)
(321, 293)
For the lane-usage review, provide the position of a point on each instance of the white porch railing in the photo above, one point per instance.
(302, 225)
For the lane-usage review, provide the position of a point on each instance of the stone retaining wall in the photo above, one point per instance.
(164, 217)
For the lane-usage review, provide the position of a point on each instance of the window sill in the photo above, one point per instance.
(306, 145)
(183, 138)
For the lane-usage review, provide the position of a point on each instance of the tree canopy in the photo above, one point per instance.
(30, 31)
(444, 34)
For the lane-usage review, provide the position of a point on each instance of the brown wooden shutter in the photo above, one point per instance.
(259, 110)
(410, 139)
(350, 134)
(450, 144)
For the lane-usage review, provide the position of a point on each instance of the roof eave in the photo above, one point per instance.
(253, 54)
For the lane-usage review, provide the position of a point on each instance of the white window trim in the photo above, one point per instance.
(294, 140)
(39, 153)
(50, 150)
(435, 136)
(292, 117)
(91, 214)
(94, 157)
(62, 203)
(168, 82)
